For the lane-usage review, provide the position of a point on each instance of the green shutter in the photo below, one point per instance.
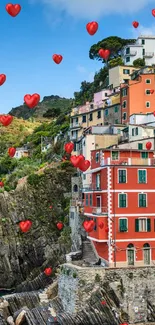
(123, 225)
(140, 146)
(136, 225)
(148, 224)
(142, 176)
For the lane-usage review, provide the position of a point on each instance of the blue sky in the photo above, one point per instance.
(45, 27)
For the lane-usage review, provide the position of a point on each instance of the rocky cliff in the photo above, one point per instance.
(23, 256)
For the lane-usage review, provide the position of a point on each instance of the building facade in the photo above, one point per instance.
(136, 96)
(121, 198)
(143, 48)
(120, 74)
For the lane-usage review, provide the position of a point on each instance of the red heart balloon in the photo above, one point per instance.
(124, 324)
(2, 79)
(135, 24)
(1, 184)
(11, 151)
(104, 54)
(6, 119)
(25, 225)
(13, 10)
(148, 145)
(57, 58)
(103, 302)
(92, 27)
(48, 271)
(60, 225)
(101, 224)
(107, 229)
(69, 147)
(88, 225)
(151, 91)
(153, 12)
(84, 165)
(32, 100)
(50, 207)
(154, 113)
(76, 160)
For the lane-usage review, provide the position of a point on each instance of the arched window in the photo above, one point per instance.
(75, 188)
(147, 254)
(130, 254)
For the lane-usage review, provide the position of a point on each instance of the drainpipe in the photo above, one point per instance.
(114, 221)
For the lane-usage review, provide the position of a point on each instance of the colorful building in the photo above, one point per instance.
(136, 96)
(121, 198)
(120, 74)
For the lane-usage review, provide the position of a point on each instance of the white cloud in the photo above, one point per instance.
(142, 30)
(81, 69)
(93, 9)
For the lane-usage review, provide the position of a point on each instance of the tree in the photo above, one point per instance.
(139, 63)
(112, 43)
(115, 62)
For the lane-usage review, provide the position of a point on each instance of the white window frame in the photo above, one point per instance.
(138, 200)
(118, 177)
(126, 200)
(138, 176)
(148, 82)
(123, 219)
(146, 91)
(143, 218)
(146, 105)
(97, 154)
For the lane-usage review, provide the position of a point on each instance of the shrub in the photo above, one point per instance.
(74, 275)
(33, 179)
(97, 278)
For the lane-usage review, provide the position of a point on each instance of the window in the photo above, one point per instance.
(98, 181)
(142, 225)
(75, 188)
(124, 116)
(76, 120)
(147, 91)
(114, 155)
(87, 203)
(143, 41)
(143, 51)
(128, 50)
(144, 155)
(142, 200)
(131, 254)
(148, 81)
(95, 227)
(127, 59)
(122, 176)
(133, 132)
(116, 109)
(106, 112)
(124, 104)
(97, 157)
(124, 92)
(91, 199)
(84, 119)
(123, 225)
(90, 117)
(72, 215)
(126, 71)
(99, 114)
(140, 146)
(147, 104)
(118, 131)
(122, 201)
(116, 121)
(84, 177)
(142, 176)
(136, 131)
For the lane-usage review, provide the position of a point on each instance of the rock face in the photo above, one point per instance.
(23, 256)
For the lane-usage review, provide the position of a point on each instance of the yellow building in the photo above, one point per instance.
(120, 74)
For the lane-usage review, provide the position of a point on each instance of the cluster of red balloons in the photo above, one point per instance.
(89, 225)
(77, 161)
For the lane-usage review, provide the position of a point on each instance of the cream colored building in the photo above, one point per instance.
(120, 74)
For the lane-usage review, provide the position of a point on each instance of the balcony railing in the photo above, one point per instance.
(91, 187)
(99, 210)
(149, 55)
(75, 125)
(131, 53)
(128, 161)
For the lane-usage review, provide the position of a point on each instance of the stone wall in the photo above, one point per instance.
(134, 287)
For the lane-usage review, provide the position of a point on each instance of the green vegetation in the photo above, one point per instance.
(97, 278)
(139, 63)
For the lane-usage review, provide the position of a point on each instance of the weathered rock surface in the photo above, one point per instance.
(24, 256)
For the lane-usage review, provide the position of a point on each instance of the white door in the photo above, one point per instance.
(98, 209)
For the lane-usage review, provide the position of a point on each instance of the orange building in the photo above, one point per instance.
(136, 96)
(122, 198)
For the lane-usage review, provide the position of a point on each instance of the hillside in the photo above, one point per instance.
(50, 106)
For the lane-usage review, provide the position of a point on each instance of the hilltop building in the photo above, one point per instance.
(143, 48)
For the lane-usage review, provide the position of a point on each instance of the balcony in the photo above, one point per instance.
(91, 187)
(131, 53)
(99, 210)
(148, 55)
(128, 161)
(75, 125)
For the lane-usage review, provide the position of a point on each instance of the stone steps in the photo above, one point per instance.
(88, 252)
